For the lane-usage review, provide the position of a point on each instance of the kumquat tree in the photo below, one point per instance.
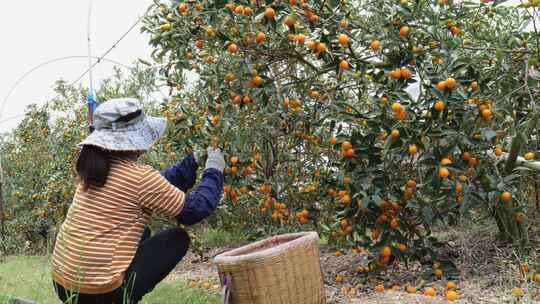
(406, 133)
(312, 101)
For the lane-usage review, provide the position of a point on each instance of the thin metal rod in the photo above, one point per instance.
(102, 57)
(14, 86)
(43, 64)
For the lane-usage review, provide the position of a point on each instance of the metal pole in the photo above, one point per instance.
(91, 99)
(91, 85)
(534, 165)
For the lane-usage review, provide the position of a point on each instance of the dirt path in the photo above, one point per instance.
(192, 270)
(486, 276)
(204, 275)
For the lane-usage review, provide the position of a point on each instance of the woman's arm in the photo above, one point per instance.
(203, 201)
(160, 195)
(183, 174)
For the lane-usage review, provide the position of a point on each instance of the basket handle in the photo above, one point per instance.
(226, 284)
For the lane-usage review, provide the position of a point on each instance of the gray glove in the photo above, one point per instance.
(215, 159)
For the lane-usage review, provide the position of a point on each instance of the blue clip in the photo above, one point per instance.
(91, 101)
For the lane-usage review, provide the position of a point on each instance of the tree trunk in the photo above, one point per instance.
(509, 229)
(2, 216)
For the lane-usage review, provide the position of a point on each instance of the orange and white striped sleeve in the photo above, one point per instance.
(158, 195)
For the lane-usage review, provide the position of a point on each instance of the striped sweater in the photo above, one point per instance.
(103, 227)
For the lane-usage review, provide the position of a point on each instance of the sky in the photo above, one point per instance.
(37, 31)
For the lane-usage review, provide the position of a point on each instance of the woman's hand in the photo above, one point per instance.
(215, 159)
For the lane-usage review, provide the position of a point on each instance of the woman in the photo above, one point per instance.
(104, 252)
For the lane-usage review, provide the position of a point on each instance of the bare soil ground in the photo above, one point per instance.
(487, 273)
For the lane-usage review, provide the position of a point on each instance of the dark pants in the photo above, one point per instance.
(155, 258)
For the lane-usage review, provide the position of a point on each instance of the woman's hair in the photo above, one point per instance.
(94, 163)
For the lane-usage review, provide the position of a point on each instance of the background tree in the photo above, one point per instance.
(40, 154)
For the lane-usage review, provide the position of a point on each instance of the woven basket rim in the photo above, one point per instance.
(237, 256)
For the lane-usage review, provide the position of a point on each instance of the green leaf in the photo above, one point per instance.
(334, 3)
(427, 214)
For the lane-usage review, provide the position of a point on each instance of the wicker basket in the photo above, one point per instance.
(284, 269)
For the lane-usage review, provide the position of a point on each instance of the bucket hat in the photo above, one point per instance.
(116, 133)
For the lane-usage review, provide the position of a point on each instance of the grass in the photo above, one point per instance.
(28, 277)
(213, 238)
